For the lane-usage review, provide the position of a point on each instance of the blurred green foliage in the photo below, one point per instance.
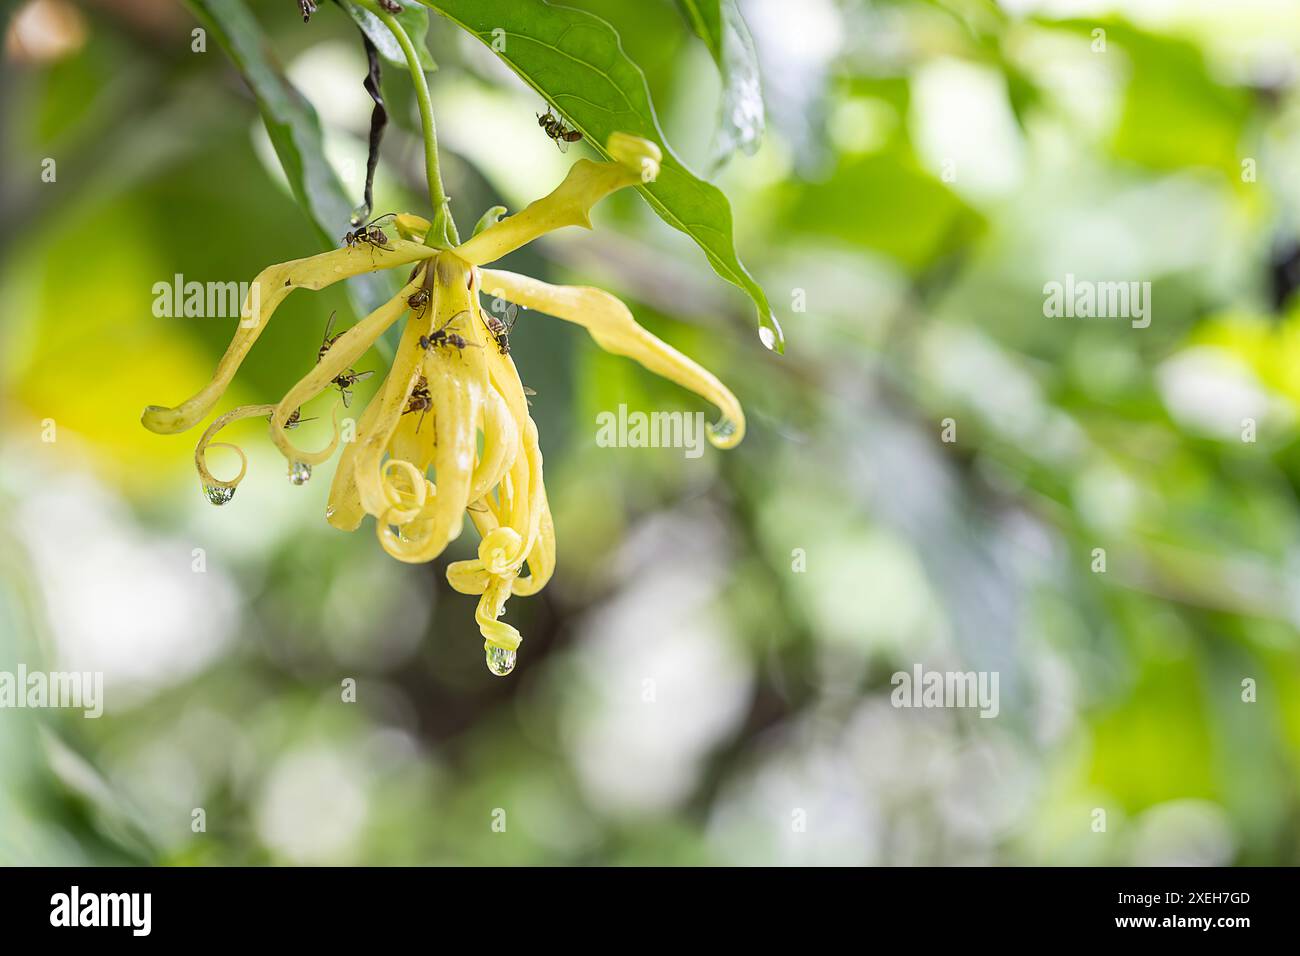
(684, 692)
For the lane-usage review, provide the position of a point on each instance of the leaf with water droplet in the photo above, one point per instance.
(740, 123)
(577, 62)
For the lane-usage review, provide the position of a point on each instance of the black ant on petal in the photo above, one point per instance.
(369, 234)
(419, 401)
(441, 338)
(419, 301)
(295, 419)
(344, 380)
(500, 329)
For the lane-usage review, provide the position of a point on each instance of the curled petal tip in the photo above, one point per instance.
(411, 226)
(640, 155)
(500, 552)
(163, 420)
(278, 419)
(727, 433)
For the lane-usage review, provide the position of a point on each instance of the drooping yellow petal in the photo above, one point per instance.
(569, 204)
(344, 510)
(500, 445)
(414, 439)
(468, 577)
(457, 379)
(265, 294)
(408, 490)
(374, 441)
(205, 442)
(456, 411)
(504, 549)
(411, 226)
(350, 346)
(541, 559)
(490, 607)
(506, 381)
(611, 324)
(500, 545)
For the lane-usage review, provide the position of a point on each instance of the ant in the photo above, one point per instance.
(500, 329)
(555, 128)
(440, 338)
(370, 234)
(344, 380)
(419, 300)
(420, 401)
(328, 340)
(296, 419)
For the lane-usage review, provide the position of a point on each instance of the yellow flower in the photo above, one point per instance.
(464, 388)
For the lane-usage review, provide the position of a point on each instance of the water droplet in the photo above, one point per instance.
(500, 661)
(299, 472)
(329, 512)
(723, 430)
(360, 214)
(767, 337)
(219, 494)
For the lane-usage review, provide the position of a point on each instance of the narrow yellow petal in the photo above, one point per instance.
(411, 226)
(569, 204)
(490, 607)
(456, 381)
(541, 559)
(342, 354)
(500, 446)
(414, 439)
(468, 577)
(504, 550)
(265, 294)
(205, 442)
(611, 324)
(344, 510)
(373, 442)
(408, 491)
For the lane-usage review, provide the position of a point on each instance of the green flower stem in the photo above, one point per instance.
(443, 233)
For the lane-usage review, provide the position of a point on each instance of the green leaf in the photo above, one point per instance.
(295, 133)
(740, 123)
(884, 202)
(413, 18)
(575, 62)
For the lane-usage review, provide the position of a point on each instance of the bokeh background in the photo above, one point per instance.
(684, 695)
